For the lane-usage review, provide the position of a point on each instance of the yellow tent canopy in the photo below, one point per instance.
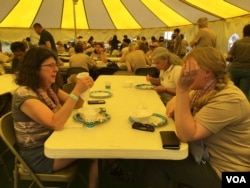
(116, 14)
(66, 19)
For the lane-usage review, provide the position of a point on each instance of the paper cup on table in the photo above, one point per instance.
(85, 94)
(90, 115)
(128, 84)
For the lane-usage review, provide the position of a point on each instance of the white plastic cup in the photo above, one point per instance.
(128, 84)
(85, 94)
(82, 75)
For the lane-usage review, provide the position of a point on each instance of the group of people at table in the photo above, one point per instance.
(210, 112)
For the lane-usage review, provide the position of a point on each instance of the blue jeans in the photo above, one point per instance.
(241, 78)
(37, 161)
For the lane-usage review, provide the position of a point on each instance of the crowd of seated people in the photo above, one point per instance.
(98, 50)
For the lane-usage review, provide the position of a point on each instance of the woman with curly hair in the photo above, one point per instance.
(40, 107)
(213, 118)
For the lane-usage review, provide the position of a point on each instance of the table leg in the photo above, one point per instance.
(100, 173)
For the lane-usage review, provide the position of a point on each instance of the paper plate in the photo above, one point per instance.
(145, 86)
(102, 118)
(155, 120)
(100, 94)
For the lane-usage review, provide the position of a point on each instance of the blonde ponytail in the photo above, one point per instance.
(210, 59)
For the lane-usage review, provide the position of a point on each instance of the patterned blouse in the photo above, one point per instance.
(29, 133)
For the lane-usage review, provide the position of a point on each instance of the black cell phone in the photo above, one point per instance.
(96, 101)
(143, 127)
(169, 140)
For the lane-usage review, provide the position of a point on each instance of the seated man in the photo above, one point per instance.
(79, 59)
(18, 49)
(136, 58)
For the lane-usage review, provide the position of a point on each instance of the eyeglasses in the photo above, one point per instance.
(51, 65)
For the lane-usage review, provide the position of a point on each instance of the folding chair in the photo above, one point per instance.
(5, 106)
(2, 163)
(89, 53)
(21, 169)
(151, 71)
(107, 71)
(5, 103)
(124, 73)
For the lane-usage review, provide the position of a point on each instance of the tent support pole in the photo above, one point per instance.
(74, 12)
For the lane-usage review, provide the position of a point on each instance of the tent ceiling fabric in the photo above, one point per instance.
(219, 8)
(116, 14)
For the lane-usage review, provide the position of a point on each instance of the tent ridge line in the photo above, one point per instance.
(131, 14)
(237, 6)
(154, 14)
(61, 14)
(109, 15)
(203, 10)
(83, 4)
(177, 12)
(36, 14)
(9, 11)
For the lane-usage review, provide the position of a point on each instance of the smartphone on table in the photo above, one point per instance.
(169, 140)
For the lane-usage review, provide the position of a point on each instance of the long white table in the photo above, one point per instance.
(66, 58)
(115, 59)
(99, 64)
(7, 83)
(115, 138)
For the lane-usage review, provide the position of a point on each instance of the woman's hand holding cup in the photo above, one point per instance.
(83, 82)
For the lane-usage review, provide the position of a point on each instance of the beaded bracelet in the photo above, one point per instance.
(73, 96)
